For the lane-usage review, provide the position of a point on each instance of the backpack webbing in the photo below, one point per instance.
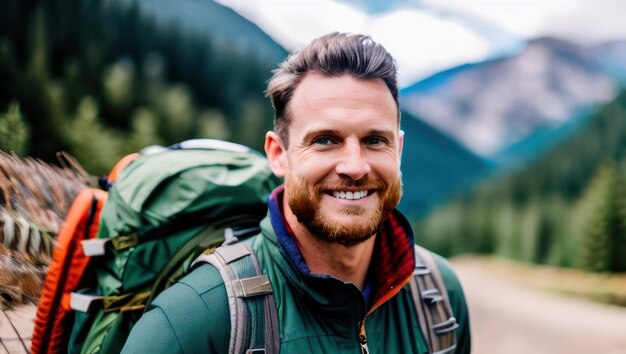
(253, 316)
(432, 304)
(254, 322)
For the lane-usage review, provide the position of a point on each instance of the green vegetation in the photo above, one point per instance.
(101, 79)
(13, 130)
(568, 208)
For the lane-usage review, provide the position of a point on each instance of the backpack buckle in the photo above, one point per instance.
(253, 286)
(94, 246)
(421, 270)
(445, 327)
(432, 296)
(83, 302)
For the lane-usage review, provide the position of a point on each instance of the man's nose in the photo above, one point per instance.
(353, 163)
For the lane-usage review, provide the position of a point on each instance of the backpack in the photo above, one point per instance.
(120, 249)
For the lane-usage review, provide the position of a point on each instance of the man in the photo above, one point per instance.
(337, 253)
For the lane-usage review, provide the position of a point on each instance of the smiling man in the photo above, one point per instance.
(338, 255)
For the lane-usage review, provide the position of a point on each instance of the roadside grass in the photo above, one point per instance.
(609, 288)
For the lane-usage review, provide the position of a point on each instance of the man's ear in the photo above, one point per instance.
(276, 153)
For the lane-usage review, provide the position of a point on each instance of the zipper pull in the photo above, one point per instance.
(363, 338)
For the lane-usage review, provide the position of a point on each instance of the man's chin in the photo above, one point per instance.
(345, 229)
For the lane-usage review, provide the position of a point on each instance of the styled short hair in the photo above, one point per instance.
(332, 55)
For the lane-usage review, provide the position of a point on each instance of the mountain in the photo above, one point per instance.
(492, 105)
(434, 166)
(220, 23)
(612, 58)
(540, 141)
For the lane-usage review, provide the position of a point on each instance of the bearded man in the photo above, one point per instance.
(338, 255)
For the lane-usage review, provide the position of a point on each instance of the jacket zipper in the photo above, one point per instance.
(363, 338)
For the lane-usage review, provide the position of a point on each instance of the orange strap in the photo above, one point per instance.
(65, 273)
(121, 165)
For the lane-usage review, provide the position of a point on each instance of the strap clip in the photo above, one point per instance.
(94, 246)
(446, 326)
(247, 287)
(432, 296)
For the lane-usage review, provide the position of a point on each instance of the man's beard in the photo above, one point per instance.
(304, 202)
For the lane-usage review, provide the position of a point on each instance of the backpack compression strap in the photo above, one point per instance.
(253, 316)
(432, 304)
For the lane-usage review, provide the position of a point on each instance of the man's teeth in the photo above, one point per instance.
(350, 195)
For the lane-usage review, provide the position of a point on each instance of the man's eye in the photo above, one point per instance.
(374, 140)
(322, 141)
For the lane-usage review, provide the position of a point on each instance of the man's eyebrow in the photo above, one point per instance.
(382, 132)
(320, 132)
(386, 133)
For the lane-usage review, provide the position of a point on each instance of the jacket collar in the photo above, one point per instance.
(391, 266)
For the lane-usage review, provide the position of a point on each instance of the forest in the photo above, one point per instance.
(101, 79)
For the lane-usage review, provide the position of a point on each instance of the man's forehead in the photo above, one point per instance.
(317, 85)
(317, 92)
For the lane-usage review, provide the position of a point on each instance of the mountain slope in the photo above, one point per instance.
(491, 105)
(206, 17)
(547, 211)
(434, 166)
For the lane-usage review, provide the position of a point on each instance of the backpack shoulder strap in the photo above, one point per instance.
(432, 304)
(253, 315)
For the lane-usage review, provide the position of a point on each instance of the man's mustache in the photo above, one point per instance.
(363, 183)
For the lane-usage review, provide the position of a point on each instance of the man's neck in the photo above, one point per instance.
(349, 264)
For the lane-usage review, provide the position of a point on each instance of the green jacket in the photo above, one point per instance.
(316, 313)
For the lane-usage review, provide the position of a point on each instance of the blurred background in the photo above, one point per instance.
(514, 115)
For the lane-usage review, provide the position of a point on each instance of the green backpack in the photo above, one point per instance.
(167, 207)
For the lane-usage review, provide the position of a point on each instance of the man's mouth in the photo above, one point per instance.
(350, 195)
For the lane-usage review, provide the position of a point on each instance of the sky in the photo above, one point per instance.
(427, 36)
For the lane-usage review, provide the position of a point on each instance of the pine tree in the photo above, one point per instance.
(603, 234)
(618, 251)
(13, 130)
(96, 147)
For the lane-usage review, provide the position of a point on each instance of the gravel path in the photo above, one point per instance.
(509, 318)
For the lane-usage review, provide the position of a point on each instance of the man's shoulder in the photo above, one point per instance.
(451, 281)
(450, 278)
(193, 312)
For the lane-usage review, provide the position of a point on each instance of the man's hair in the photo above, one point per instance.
(332, 55)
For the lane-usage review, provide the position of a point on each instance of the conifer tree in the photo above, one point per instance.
(13, 130)
(96, 147)
(603, 235)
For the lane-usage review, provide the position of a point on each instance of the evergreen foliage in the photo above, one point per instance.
(604, 235)
(88, 71)
(13, 130)
(554, 211)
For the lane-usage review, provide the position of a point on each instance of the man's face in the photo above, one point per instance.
(341, 167)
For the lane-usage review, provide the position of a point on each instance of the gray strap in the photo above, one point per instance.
(432, 304)
(254, 321)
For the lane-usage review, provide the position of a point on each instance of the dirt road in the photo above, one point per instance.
(509, 318)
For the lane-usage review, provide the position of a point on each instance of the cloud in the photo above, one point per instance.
(423, 44)
(431, 35)
(580, 20)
